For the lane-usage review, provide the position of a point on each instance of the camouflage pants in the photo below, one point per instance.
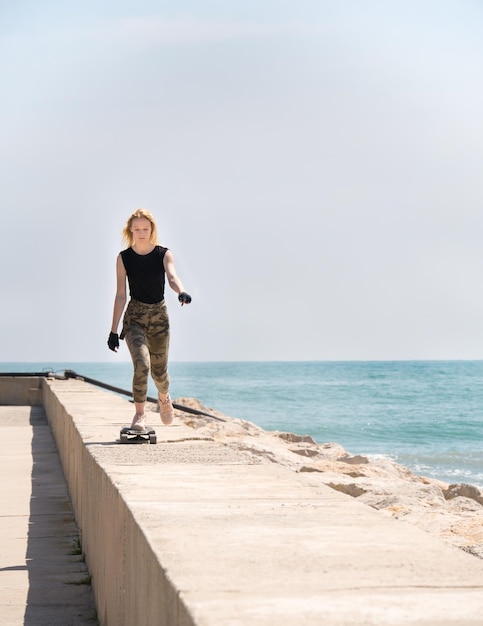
(146, 330)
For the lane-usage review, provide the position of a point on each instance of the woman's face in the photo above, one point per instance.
(141, 230)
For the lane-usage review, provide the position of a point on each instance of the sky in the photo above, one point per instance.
(315, 167)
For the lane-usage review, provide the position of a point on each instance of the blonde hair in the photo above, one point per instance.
(127, 235)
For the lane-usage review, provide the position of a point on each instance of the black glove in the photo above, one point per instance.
(184, 298)
(113, 342)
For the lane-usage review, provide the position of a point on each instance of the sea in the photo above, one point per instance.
(425, 415)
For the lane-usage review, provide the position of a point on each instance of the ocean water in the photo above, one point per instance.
(426, 415)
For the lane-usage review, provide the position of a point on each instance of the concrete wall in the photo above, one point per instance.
(129, 583)
(21, 390)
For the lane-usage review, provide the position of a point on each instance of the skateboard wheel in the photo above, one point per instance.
(153, 439)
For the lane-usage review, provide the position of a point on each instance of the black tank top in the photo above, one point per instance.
(145, 274)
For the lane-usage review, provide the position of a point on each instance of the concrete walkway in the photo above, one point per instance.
(43, 579)
(229, 540)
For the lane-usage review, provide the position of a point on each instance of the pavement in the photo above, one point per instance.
(43, 578)
(244, 541)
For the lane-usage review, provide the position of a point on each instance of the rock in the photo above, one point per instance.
(354, 460)
(293, 438)
(465, 491)
(350, 489)
(305, 451)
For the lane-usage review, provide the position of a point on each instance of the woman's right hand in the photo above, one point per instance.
(113, 341)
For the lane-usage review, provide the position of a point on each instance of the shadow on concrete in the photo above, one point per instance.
(59, 583)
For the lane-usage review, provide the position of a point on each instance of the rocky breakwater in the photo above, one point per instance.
(451, 512)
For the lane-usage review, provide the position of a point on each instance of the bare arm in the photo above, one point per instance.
(120, 299)
(173, 279)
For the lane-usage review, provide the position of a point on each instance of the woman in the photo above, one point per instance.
(145, 327)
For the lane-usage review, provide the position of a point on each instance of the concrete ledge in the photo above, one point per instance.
(129, 583)
(189, 532)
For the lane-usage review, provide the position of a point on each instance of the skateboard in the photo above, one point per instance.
(129, 435)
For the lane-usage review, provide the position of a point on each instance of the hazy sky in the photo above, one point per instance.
(315, 166)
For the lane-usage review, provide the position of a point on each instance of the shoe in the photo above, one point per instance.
(139, 422)
(166, 410)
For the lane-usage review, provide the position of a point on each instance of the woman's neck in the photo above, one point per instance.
(143, 248)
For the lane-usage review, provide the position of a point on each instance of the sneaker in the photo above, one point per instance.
(139, 422)
(166, 410)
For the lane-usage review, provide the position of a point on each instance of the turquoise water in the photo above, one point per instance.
(426, 415)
